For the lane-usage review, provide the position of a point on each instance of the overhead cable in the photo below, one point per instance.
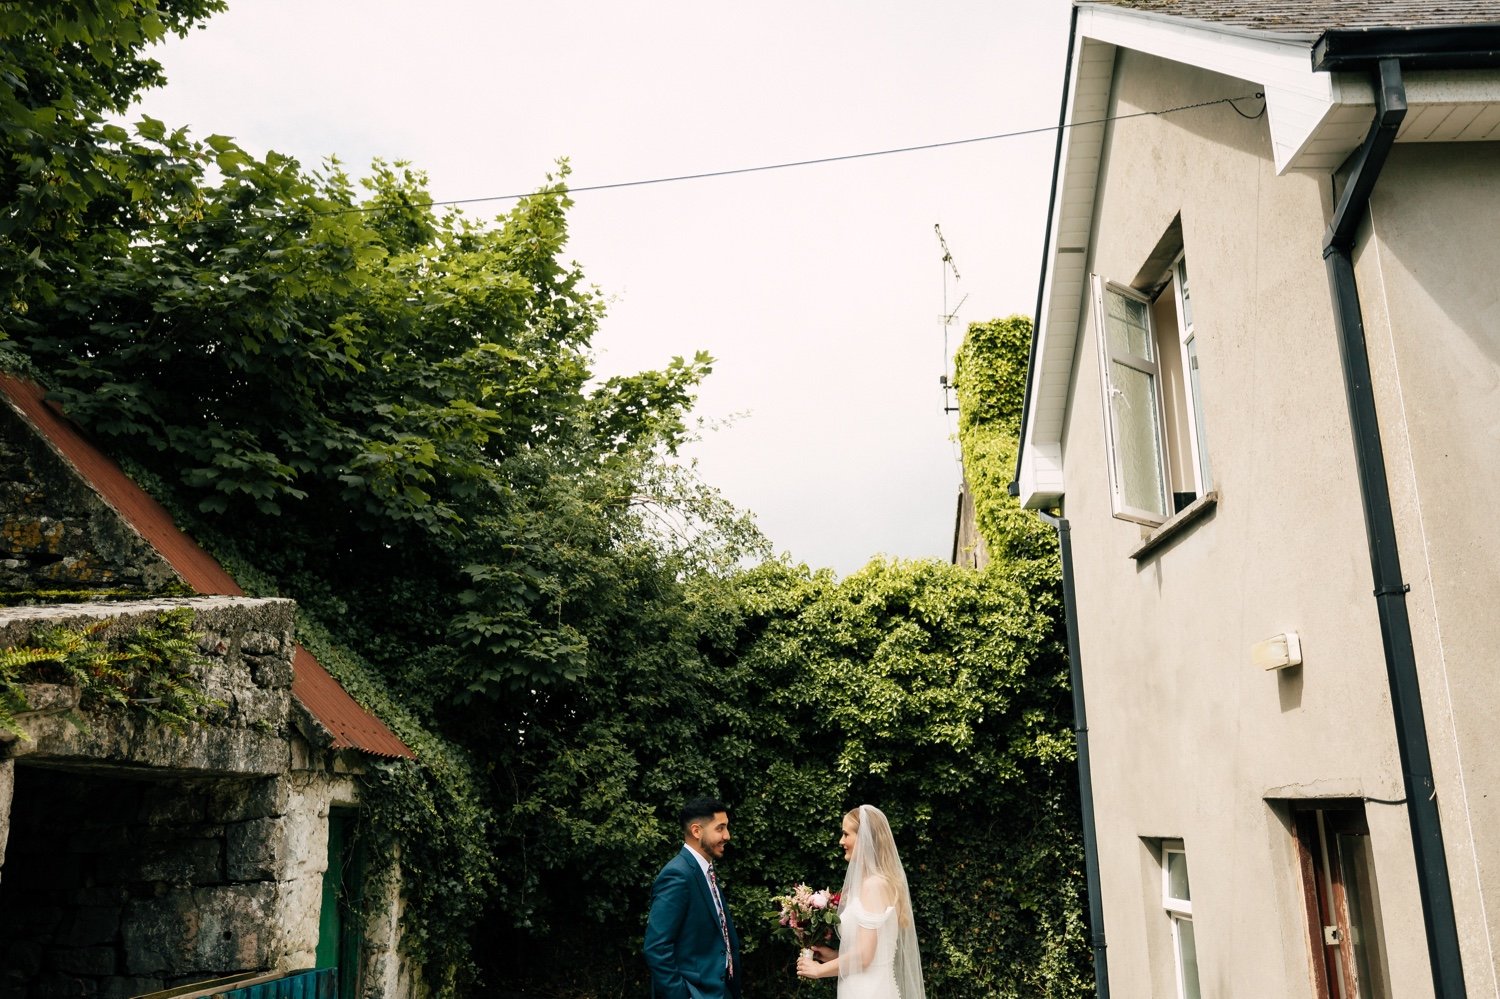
(761, 168)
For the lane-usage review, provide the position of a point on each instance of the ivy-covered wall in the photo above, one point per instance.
(990, 379)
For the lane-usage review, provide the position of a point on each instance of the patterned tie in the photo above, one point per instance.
(713, 883)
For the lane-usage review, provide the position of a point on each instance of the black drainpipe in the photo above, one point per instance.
(1070, 597)
(1380, 526)
(1085, 775)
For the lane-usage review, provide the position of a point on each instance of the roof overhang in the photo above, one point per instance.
(1319, 104)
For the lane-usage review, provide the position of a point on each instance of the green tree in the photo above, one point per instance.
(936, 692)
(387, 412)
(379, 409)
(74, 186)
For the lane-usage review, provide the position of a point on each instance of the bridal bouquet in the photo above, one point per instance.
(810, 915)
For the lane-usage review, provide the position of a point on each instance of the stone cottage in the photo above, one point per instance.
(135, 858)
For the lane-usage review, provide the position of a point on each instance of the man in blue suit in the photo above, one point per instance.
(691, 947)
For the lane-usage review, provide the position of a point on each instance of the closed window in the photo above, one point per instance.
(1177, 900)
(1153, 398)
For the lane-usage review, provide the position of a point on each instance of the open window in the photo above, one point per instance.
(1343, 904)
(1153, 409)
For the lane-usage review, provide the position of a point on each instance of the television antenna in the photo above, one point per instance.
(948, 317)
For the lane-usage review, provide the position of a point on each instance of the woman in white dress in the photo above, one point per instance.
(877, 956)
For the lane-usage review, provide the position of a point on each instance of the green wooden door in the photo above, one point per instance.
(331, 921)
(343, 891)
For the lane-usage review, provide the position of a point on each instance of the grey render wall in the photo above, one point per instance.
(1190, 740)
(1429, 273)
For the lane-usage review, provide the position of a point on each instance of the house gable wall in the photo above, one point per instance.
(1189, 740)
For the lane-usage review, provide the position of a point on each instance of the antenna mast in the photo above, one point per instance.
(948, 318)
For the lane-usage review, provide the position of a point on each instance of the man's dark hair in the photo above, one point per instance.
(699, 810)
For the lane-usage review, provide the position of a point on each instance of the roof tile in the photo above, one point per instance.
(1310, 18)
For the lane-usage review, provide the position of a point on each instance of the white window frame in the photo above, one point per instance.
(1179, 911)
(1187, 343)
(1199, 473)
(1148, 366)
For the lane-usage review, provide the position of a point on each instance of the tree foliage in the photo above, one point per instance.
(936, 692)
(388, 413)
(381, 410)
(72, 184)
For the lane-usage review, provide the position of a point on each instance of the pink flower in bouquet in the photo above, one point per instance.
(810, 915)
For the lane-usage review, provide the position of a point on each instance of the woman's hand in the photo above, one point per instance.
(823, 953)
(808, 967)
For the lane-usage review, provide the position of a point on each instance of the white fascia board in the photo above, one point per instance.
(1089, 77)
(1297, 98)
(1041, 481)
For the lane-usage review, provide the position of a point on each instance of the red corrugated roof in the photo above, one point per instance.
(352, 726)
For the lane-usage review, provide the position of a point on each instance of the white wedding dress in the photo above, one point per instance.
(878, 953)
(878, 980)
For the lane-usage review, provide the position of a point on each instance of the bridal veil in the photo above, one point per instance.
(862, 967)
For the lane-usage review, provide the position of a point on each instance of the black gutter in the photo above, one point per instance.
(1454, 46)
(1085, 773)
(1036, 329)
(1433, 886)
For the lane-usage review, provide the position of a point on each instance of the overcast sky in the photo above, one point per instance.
(819, 289)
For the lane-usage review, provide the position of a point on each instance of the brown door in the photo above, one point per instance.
(1333, 844)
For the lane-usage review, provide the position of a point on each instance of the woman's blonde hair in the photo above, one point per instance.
(883, 859)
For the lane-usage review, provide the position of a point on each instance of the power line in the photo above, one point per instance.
(856, 156)
(761, 168)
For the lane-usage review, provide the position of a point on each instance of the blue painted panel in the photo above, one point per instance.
(320, 983)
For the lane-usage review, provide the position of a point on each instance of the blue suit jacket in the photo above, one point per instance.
(684, 948)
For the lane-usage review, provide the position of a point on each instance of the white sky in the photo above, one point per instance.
(819, 290)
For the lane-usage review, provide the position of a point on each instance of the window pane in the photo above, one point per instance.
(1359, 876)
(1126, 326)
(1187, 955)
(1177, 876)
(1187, 302)
(1138, 458)
(1205, 472)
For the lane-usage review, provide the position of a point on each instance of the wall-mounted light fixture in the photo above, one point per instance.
(1278, 652)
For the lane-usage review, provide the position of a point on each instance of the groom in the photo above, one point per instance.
(691, 947)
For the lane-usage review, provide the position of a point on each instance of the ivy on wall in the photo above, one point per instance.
(990, 379)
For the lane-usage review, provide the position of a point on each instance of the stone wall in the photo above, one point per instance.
(247, 645)
(118, 886)
(56, 533)
(140, 857)
(134, 857)
(7, 786)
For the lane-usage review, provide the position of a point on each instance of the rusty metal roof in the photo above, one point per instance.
(351, 725)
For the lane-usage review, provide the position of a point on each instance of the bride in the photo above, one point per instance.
(877, 956)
